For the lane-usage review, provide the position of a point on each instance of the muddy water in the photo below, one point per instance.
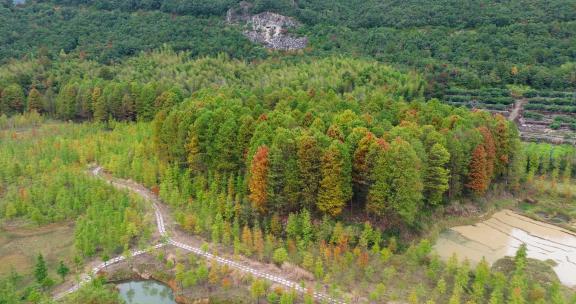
(503, 233)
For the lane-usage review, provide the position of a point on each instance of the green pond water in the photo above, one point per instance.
(146, 292)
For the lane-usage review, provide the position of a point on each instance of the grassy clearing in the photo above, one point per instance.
(555, 203)
(20, 245)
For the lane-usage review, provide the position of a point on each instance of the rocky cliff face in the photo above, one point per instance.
(267, 28)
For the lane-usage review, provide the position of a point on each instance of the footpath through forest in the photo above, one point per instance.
(167, 239)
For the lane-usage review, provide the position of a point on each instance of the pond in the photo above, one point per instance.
(503, 233)
(146, 292)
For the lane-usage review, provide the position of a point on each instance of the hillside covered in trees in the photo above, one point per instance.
(333, 165)
(341, 161)
(321, 134)
(469, 44)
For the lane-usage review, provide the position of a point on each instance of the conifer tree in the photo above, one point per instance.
(258, 180)
(258, 242)
(12, 100)
(226, 146)
(258, 289)
(309, 159)
(504, 145)
(40, 271)
(145, 102)
(490, 149)
(436, 176)
(99, 105)
(397, 184)
(194, 155)
(306, 228)
(245, 132)
(166, 100)
(247, 240)
(332, 196)
(283, 184)
(128, 108)
(361, 164)
(477, 177)
(62, 270)
(66, 102)
(35, 101)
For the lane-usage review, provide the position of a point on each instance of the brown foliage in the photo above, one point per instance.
(258, 176)
(477, 178)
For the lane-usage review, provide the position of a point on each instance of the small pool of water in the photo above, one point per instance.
(146, 292)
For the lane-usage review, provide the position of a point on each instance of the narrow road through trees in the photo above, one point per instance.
(149, 196)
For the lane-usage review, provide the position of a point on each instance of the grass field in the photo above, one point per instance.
(551, 202)
(20, 245)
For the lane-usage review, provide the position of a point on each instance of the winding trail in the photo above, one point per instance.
(167, 240)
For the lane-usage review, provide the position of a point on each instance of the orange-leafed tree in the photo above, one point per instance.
(490, 149)
(247, 240)
(258, 242)
(257, 182)
(477, 177)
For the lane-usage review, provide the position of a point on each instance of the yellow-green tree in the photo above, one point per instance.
(436, 176)
(398, 186)
(335, 187)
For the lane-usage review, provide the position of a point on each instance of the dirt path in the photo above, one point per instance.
(518, 105)
(170, 236)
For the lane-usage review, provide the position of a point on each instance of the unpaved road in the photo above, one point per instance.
(518, 105)
(168, 240)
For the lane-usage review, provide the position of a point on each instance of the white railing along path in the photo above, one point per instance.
(85, 278)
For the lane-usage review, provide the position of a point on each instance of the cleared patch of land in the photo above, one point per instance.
(503, 233)
(20, 245)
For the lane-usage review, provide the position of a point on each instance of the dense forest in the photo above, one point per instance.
(470, 44)
(271, 113)
(325, 151)
(218, 206)
(337, 158)
(285, 135)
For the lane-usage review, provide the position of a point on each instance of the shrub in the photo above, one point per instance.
(280, 256)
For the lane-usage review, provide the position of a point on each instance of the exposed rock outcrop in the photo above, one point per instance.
(267, 28)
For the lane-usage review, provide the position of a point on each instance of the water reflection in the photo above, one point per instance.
(146, 292)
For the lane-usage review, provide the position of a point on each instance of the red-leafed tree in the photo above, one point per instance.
(257, 182)
(477, 178)
(490, 149)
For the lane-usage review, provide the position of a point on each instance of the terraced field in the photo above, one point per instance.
(549, 116)
(543, 116)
